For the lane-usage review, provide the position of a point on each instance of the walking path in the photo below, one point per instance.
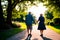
(48, 35)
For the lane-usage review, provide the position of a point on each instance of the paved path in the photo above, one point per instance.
(48, 35)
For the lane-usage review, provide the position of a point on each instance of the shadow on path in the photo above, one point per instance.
(45, 38)
(35, 39)
(28, 38)
(18, 36)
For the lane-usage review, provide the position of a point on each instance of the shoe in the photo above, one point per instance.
(41, 35)
(30, 35)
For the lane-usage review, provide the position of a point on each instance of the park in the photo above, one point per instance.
(13, 15)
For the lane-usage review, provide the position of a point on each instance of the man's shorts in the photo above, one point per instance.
(29, 27)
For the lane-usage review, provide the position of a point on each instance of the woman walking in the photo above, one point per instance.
(41, 25)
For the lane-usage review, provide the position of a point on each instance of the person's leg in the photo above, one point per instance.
(28, 31)
(41, 31)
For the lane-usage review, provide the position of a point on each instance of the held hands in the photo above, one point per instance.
(35, 22)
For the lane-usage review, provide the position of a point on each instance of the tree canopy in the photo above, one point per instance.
(12, 9)
(53, 6)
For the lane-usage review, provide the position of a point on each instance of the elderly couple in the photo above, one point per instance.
(29, 20)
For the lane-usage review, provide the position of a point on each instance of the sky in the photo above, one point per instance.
(37, 10)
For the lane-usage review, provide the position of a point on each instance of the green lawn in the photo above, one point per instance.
(55, 28)
(6, 34)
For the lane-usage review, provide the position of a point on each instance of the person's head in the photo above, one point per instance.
(41, 14)
(29, 12)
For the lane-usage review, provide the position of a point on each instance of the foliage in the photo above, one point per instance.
(53, 6)
(10, 9)
(22, 24)
(15, 14)
(23, 5)
(51, 23)
(49, 15)
(52, 3)
(57, 21)
(57, 26)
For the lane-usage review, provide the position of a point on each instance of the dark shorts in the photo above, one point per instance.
(29, 27)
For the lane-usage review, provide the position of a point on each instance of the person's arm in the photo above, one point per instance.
(38, 19)
(25, 18)
(33, 19)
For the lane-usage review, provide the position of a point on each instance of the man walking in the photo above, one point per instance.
(29, 20)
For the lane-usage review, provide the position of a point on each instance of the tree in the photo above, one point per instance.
(9, 12)
(53, 6)
(49, 15)
(11, 6)
(1, 16)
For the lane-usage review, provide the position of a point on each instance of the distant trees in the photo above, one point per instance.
(49, 15)
(53, 6)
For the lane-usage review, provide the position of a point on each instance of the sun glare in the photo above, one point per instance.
(37, 10)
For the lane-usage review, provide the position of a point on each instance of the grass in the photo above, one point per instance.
(6, 34)
(55, 28)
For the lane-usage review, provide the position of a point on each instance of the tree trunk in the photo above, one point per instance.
(1, 17)
(1, 14)
(9, 12)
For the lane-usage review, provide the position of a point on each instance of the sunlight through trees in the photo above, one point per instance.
(13, 9)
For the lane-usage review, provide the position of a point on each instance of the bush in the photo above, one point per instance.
(57, 21)
(48, 23)
(15, 26)
(5, 26)
(52, 24)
